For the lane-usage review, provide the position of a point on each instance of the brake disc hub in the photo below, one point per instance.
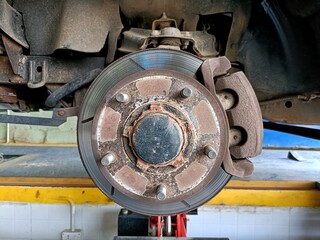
(157, 139)
(159, 135)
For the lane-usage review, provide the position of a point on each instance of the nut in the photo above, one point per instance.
(186, 92)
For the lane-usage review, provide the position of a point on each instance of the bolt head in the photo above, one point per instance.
(108, 159)
(122, 97)
(186, 92)
(61, 113)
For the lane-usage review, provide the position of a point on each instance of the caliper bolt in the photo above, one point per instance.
(186, 92)
(210, 152)
(108, 159)
(122, 97)
(161, 192)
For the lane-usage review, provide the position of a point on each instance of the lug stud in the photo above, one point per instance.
(122, 97)
(210, 152)
(161, 192)
(186, 92)
(108, 159)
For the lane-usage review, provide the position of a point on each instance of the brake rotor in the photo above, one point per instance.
(152, 137)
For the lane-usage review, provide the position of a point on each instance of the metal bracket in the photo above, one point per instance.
(300, 109)
(212, 68)
(37, 71)
(11, 23)
(135, 39)
(41, 69)
(59, 117)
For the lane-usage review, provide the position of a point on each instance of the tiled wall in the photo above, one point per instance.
(17, 133)
(47, 221)
(248, 223)
(44, 221)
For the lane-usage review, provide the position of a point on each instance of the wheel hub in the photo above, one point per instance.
(161, 133)
(154, 139)
(157, 139)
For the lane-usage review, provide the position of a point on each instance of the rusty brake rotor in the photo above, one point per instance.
(155, 140)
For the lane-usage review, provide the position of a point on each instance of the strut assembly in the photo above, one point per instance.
(161, 131)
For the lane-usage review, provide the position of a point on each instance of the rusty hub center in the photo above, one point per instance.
(157, 138)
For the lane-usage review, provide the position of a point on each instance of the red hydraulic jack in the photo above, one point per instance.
(175, 225)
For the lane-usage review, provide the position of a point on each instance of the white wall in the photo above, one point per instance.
(256, 223)
(99, 222)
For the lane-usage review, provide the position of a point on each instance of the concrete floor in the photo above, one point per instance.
(26, 161)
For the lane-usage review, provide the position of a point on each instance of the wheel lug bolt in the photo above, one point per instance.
(161, 192)
(210, 152)
(122, 97)
(186, 92)
(108, 159)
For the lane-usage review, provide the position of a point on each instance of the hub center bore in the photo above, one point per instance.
(157, 138)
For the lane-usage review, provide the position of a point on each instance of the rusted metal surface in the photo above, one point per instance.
(174, 123)
(188, 13)
(165, 34)
(157, 87)
(203, 43)
(7, 76)
(38, 71)
(172, 132)
(65, 112)
(212, 68)
(8, 95)
(207, 125)
(301, 109)
(11, 23)
(15, 54)
(108, 125)
(2, 50)
(183, 179)
(157, 93)
(164, 22)
(76, 25)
